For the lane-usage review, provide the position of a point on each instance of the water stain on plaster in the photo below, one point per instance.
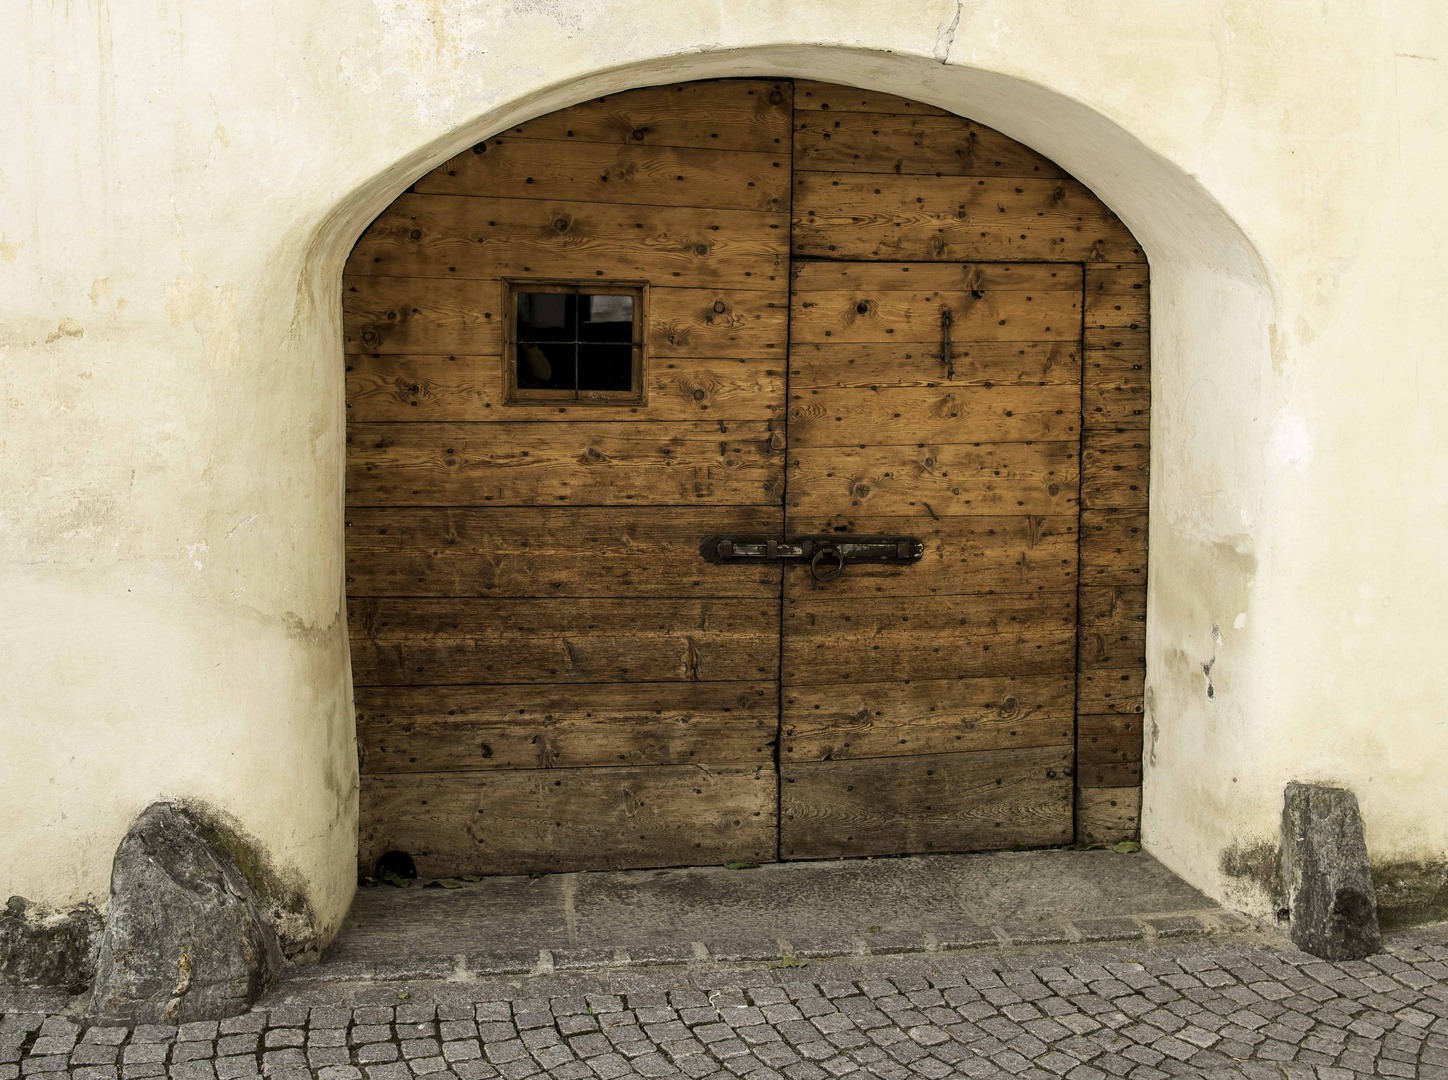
(100, 290)
(211, 311)
(66, 328)
(1253, 864)
(9, 251)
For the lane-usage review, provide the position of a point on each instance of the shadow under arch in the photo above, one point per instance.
(1212, 303)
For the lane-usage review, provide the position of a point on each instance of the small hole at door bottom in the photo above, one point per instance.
(397, 863)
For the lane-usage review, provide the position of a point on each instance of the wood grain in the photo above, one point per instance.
(1109, 739)
(449, 236)
(724, 114)
(897, 719)
(850, 640)
(963, 555)
(1106, 815)
(904, 144)
(844, 215)
(465, 318)
(810, 95)
(1113, 547)
(419, 641)
(892, 365)
(946, 414)
(631, 172)
(1111, 690)
(522, 464)
(410, 729)
(1114, 466)
(991, 479)
(938, 802)
(552, 551)
(548, 820)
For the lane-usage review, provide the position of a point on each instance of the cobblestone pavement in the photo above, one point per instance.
(1240, 1007)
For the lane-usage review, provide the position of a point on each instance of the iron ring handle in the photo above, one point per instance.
(821, 572)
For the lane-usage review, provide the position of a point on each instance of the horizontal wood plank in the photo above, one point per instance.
(844, 215)
(992, 479)
(963, 555)
(914, 317)
(1111, 690)
(892, 365)
(555, 820)
(630, 551)
(1108, 739)
(1113, 547)
(939, 802)
(904, 144)
(410, 729)
(1114, 466)
(1107, 815)
(892, 719)
(453, 236)
(433, 642)
(811, 95)
(384, 387)
(862, 639)
(853, 416)
(723, 114)
(618, 172)
(522, 464)
(1121, 774)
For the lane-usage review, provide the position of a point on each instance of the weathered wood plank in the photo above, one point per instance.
(939, 802)
(908, 317)
(904, 144)
(1114, 466)
(726, 114)
(993, 479)
(845, 215)
(891, 365)
(1111, 690)
(454, 236)
(1109, 739)
(936, 637)
(1107, 815)
(893, 719)
(551, 551)
(465, 318)
(944, 414)
(410, 729)
(1121, 774)
(810, 95)
(1113, 547)
(430, 642)
(384, 387)
(963, 555)
(521, 464)
(553, 820)
(632, 172)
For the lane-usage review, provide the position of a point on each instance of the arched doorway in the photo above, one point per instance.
(753, 309)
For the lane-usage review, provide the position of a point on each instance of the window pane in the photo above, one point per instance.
(546, 316)
(605, 367)
(545, 366)
(605, 318)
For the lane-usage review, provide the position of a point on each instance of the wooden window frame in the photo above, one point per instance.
(515, 395)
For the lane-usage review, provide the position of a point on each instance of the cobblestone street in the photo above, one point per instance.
(1239, 1007)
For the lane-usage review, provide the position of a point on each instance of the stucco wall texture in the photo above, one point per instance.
(179, 185)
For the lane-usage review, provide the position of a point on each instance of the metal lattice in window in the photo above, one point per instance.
(574, 341)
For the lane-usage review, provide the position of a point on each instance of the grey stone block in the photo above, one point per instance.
(48, 949)
(1328, 885)
(184, 939)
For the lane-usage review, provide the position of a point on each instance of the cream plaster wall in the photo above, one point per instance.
(180, 182)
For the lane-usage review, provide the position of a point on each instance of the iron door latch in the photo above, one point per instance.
(827, 555)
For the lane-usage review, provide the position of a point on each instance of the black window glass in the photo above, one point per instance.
(547, 316)
(576, 342)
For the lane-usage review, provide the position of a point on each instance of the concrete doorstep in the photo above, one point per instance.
(775, 912)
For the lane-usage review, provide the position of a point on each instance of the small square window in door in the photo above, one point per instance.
(574, 342)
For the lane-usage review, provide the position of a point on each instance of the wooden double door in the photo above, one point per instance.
(549, 674)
